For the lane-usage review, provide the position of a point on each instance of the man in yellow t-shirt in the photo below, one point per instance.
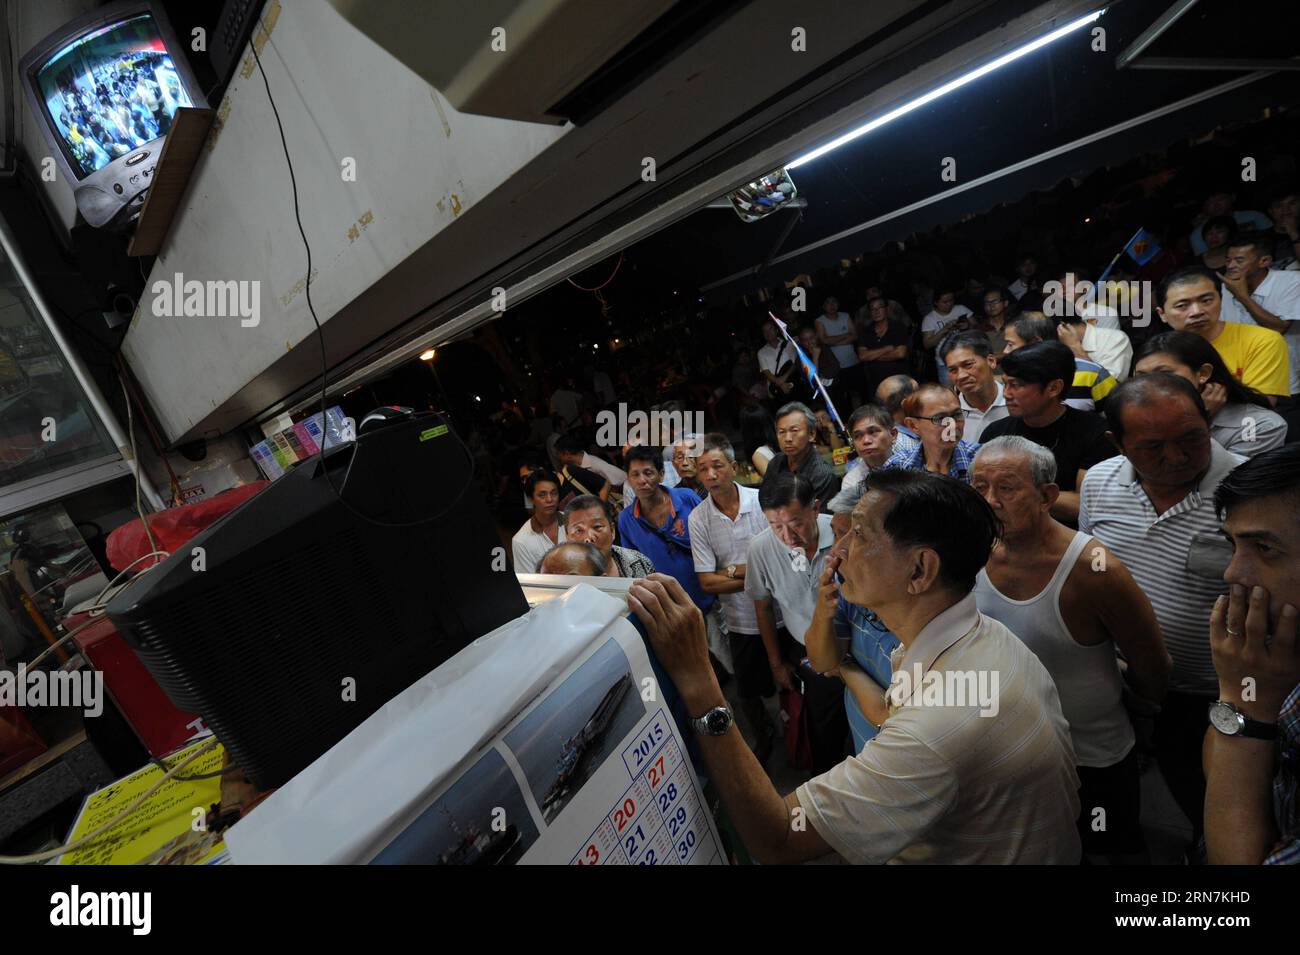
(1190, 301)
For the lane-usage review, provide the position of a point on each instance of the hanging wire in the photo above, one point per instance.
(597, 289)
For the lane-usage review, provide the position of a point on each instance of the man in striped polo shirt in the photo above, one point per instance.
(1154, 508)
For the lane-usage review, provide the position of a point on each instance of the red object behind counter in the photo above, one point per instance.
(173, 527)
(161, 727)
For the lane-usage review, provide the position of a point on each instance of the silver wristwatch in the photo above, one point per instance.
(715, 722)
(1230, 721)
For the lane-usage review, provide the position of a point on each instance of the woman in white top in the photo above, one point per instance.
(1241, 418)
(836, 329)
(543, 529)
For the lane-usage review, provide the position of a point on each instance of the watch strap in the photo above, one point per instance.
(1251, 729)
(1257, 729)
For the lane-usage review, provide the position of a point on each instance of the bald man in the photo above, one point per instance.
(891, 393)
(576, 559)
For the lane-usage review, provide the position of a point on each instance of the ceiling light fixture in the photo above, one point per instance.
(947, 88)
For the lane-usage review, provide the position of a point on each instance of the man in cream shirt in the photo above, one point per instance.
(973, 763)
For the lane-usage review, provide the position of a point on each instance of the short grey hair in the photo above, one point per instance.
(1042, 463)
(587, 502)
(715, 441)
(570, 557)
(798, 407)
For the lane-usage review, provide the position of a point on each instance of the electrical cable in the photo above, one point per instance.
(96, 609)
(109, 585)
(617, 265)
(70, 572)
(135, 468)
(58, 643)
(46, 854)
(320, 336)
(197, 777)
(154, 438)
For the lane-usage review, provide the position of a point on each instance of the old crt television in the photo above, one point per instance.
(293, 618)
(105, 88)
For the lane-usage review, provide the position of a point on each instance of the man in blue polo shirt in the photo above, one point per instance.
(853, 643)
(657, 523)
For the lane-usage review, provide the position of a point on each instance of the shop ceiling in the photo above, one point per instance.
(717, 100)
(724, 104)
(1065, 109)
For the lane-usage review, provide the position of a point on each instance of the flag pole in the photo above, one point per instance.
(1121, 251)
(813, 377)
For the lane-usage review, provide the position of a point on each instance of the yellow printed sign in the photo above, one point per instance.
(161, 830)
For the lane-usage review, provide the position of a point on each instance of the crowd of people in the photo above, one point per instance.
(1084, 492)
(131, 103)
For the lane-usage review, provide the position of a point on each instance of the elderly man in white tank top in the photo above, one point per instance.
(1073, 603)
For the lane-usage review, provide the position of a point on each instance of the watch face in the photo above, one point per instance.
(717, 722)
(1224, 719)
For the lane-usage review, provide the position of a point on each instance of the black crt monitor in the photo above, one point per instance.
(292, 619)
(105, 88)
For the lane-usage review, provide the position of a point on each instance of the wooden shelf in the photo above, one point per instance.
(180, 152)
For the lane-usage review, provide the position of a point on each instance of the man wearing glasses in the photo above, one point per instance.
(933, 412)
(1036, 380)
(783, 566)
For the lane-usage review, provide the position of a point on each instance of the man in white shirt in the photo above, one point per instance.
(1108, 347)
(947, 316)
(946, 780)
(572, 452)
(1079, 289)
(969, 360)
(1258, 295)
(776, 360)
(721, 528)
(567, 402)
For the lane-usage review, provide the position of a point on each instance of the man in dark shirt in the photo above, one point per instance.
(1036, 379)
(795, 427)
(576, 482)
(882, 345)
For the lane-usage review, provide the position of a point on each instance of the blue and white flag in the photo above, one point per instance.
(810, 372)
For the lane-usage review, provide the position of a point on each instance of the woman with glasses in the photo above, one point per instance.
(935, 414)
